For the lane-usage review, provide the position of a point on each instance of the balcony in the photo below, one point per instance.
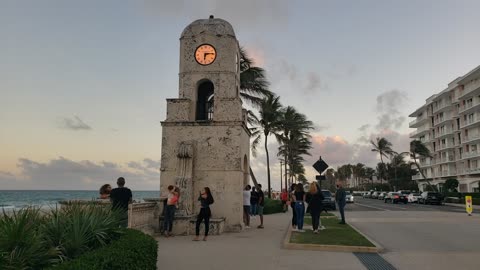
(443, 120)
(473, 171)
(470, 154)
(445, 132)
(471, 122)
(469, 106)
(442, 106)
(419, 132)
(471, 138)
(417, 122)
(446, 146)
(470, 89)
(444, 160)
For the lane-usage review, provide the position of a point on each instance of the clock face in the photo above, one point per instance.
(205, 54)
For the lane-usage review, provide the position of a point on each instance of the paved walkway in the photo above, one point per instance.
(250, 249)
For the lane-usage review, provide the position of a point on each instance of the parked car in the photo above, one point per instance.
(395, 197)
(382, 195)
(413, 197)
(405, 192)
(429, 197)
(349, 197)
(328, 202)
(375, 195)
(367, 194)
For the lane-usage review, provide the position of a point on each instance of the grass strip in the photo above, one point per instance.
(335, 234)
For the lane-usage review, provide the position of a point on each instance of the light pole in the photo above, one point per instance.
(281, 174)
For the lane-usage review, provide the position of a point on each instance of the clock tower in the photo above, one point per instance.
(205, 139)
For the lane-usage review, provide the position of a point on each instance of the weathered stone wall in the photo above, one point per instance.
(141, 216)
(218, 163)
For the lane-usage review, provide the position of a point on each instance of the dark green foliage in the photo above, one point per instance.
(134, 250)
(272, 206)
(22, 244)
(30, 239)
(450, 185)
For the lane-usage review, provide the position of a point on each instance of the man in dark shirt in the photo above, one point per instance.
(341, 198)
(261, 204)
(120, 198)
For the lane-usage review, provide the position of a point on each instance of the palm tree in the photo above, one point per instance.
(384, 148)
(253, 81)
(369, 173)
(266, 124)
(419, 150)
(293, 138)
(397, 161)
(358, 172)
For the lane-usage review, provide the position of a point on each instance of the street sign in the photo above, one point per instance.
(468, 204)
(320, 177)
(320, 166)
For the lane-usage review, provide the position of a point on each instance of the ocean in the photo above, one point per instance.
(16, 199)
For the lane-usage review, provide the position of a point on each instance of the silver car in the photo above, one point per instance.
(349, 197)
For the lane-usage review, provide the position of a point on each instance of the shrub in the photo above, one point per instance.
(79, 228)
(134, 250)
(272, 206)
(22, 244)
(30, 239)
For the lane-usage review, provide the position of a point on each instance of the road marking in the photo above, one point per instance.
(378, 208)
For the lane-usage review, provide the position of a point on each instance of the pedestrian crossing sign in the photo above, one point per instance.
(468, 204)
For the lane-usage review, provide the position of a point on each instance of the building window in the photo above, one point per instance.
(205, 98)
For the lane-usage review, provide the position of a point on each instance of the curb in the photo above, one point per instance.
(334, 248)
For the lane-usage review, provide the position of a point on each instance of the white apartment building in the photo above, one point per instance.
(449, 125)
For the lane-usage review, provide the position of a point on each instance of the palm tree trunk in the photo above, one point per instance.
(268, 167)
(423, 175)
(286, 180)
(254, 179)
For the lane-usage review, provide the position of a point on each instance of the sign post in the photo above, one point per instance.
(468, 205)
(320, 166)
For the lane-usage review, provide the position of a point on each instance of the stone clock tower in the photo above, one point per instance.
(205, 139)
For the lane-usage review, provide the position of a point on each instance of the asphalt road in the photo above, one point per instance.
(419, 236)
(362, 204)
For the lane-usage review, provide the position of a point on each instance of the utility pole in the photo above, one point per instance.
(281, 175)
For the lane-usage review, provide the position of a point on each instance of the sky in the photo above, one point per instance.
(83, 83)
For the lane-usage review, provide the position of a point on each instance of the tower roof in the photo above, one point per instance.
(211, 26)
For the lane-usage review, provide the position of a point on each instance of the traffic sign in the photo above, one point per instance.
(468, 205)
(320, 166)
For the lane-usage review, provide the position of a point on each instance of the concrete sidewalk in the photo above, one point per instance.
(250, 249)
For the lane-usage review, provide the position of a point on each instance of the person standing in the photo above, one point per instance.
(253, 203)
(206, 199)
(105, 191)
(341, 198)
(261, 204)
(299, 198)
(170, 207)
(121, 197)
(292, 205)
(246, 206)
(284, 198)
(314, 200)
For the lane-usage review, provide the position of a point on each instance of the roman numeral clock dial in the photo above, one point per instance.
(205, 54)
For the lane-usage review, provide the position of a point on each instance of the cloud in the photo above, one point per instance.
(74, 123)
(364, 127)
(320, 128)
(62, 173)
(314, 82)
(288, 70)
(246, 13)
(388, 107)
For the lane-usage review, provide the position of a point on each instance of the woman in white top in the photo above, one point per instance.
(246, 206)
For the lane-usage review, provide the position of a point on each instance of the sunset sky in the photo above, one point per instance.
(83, 83)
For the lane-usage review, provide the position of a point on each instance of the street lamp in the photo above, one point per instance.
(281, 174)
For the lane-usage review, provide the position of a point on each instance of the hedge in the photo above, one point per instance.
(134, 250)
(272, 206)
